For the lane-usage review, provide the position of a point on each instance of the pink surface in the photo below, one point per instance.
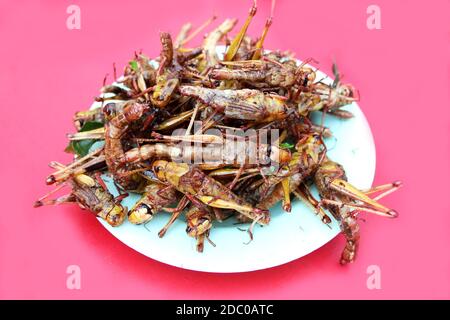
(402, 71)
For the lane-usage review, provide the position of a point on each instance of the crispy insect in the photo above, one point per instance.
(344, 201)
(195, 184)
(328, 98)
(305, 160)
(245, 104)
(199, 223)
(245, 153)
(91, 194)
(154, 198)
(114, 130)
(168, 72)
(269, 74)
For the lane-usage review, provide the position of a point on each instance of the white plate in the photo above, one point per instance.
(286, 238)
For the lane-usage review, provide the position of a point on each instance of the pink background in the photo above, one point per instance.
(48, 72)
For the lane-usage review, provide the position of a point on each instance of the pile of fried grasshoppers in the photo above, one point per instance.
(132, 137)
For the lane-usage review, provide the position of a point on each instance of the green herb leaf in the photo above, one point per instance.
(134, 65)
(91, 125)
(81, 147)
(287, 145)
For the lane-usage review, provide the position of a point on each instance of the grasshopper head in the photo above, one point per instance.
(159, 168)
(141, 213)
(198, 226)
(116, 215)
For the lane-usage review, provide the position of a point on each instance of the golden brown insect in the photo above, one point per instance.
(338, 96)
(91, 194)
(155, 198)
(344, 201)
(199, 223)
(168, 73)
(278, 187)
(329, 98)
(234, 153)
(245, 104)
(114, 131)
(116, 128)
(268, 74)
(195, 184)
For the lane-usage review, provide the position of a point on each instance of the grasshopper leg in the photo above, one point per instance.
(175, 214)
(304, 194)
(368, 204)
(236, 43)
(286, 191)
(386, 188)
(68, 198)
